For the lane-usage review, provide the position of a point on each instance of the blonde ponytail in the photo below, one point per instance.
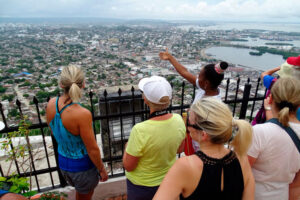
(283, 116)
(243, 138)
(285, 93)
(72, 80)
(75, 92)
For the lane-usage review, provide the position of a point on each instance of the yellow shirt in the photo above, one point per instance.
(156, 143)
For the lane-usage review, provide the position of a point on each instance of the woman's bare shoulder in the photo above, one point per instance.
(82, 110)
(50, 109)
(79, 113)
(51, 102)
(191, 162)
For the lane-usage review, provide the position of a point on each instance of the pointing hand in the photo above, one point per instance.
(164, 55)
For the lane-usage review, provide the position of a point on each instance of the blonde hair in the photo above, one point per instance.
(216, 120)
(71, 80)
(157, 107)
(286, 90)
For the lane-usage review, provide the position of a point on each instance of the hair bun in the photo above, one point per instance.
(223, 65)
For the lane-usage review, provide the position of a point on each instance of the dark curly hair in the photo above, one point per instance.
(214, 77)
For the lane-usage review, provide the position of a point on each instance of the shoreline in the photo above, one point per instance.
(203, 53)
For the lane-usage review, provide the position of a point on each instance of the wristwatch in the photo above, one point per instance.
(268, 108)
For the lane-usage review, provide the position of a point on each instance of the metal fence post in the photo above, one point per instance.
(245, 101)
(121, 120)
(171, 102)
(182, 97)
(36, 102)
(236, 95)
(92, 111)
(105, 94)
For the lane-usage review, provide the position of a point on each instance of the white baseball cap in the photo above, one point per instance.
(154, 88)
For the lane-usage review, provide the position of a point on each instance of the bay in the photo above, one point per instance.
(240, 56)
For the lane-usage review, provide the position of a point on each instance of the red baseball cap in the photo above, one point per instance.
(294, 61)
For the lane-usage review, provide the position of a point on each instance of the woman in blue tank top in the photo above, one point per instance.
(214, 172)
(78, 153)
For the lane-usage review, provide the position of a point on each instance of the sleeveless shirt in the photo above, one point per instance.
(73, 156)
(209, 186)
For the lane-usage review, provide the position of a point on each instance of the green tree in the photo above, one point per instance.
(10, 81)
(20, 80)
(42, 86)
(9, 97)
(13, 112)
(43, 112)
(170, 78)
(2, 89)
(27, 83)
(12, 71)
(103, 76)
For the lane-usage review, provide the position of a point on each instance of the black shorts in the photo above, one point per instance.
(139, 192)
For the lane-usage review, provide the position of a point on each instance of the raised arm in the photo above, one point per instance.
(269, 72)
(88, 138)
(179, 67)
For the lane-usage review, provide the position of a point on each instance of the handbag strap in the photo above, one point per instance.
(290, 131)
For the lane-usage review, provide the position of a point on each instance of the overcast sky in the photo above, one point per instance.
(237, 10)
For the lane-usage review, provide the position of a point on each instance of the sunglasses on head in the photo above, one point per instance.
(195, 126)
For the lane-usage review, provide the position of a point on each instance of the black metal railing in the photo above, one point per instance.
(126, 109)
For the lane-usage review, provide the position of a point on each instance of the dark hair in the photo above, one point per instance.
(213, 76)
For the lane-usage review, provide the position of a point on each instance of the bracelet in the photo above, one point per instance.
(268, 108)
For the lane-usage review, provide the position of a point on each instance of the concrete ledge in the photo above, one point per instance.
(111, 188)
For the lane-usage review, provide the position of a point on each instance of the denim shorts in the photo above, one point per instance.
(84, 181)
(139, 192)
